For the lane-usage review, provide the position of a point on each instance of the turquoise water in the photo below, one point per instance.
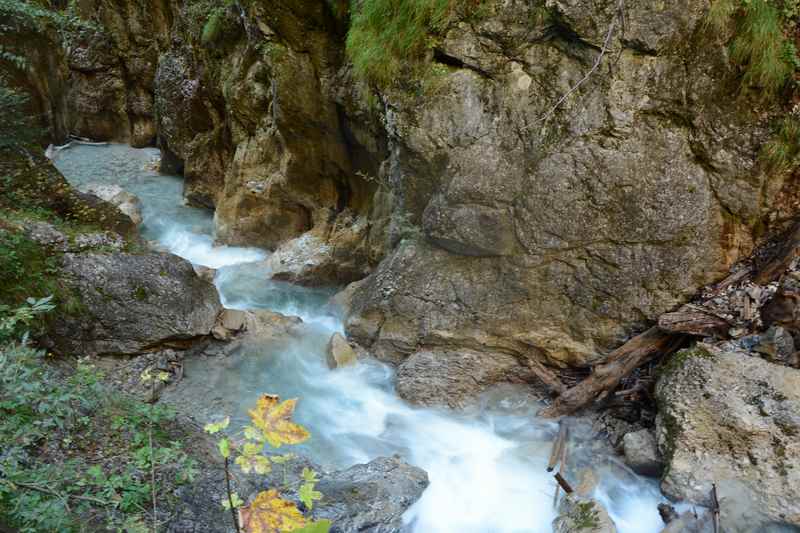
(486, 464)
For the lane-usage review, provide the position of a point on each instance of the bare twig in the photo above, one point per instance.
(603, 50)
(230, 496)
(152, 459)
(564, 483)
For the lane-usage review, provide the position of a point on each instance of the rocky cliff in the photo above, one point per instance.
(563, 171)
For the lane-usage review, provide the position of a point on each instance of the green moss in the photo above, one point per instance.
(140, 294)
(213, 26)
(584, 516)
(782, 152)
(678, 360)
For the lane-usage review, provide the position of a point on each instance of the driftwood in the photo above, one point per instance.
(546, 376)
(558, 445)
(693, 320)
(788, 250)
(619, 364)
(564, 483)
(715, 506)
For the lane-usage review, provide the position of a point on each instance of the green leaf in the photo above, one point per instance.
(309, 475)
(224, 448)
(308, 495)
(216, 427)
(282, 459)
(320, 526)
(237, 501)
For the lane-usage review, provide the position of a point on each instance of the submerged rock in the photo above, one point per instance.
(339, 353)
(370, 497)
(734, 420)
(582, 515)
(127, 304)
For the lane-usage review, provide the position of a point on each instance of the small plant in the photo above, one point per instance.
(267, 513)
(782, 151)
(762, 43)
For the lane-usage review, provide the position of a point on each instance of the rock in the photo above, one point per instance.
(128, 203)
(127, 304)
(342, 301)
(777, 344)
(733, 419)
(229, 323)
(371, 497)
(205, 273)
(266, 325)
(582, 515)
(322, 257)
(641, 453)
(339, 352)
(444, 377)
(687, 522)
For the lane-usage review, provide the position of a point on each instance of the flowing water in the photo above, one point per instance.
(486, 464)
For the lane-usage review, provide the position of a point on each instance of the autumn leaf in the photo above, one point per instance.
(224, 446)
(320, 526)
(269, 513)
(274, 419)
(282, 459)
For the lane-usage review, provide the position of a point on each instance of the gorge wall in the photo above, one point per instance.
(496, 226)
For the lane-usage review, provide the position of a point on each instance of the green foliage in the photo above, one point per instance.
(213, 26)
(782, 151)
(27, 268)
(16, 127)
(268, 512)
(15, 322)
(762, 44)
(57, 432)
(387, 36)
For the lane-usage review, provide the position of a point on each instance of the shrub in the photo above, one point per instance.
(386, 35)
(762, 43)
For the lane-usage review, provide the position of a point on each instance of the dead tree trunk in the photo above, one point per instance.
(619, 364)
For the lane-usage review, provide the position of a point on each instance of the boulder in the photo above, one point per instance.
(129, 204)
(127, 304)
(731, 419)
(777, 345)
(641, 453)
(453, 377)
(230, 322)
(339, 352)
(370, 497)
(582, 515)
(269, 325)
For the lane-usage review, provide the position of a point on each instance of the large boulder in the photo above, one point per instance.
(127, 304)
(128, 203)
(370, 497)
(731, 419)
(641, 453)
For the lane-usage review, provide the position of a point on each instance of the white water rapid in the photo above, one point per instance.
(486, 464)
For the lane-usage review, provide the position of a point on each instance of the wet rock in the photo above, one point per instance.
(339, 353)
(641, 453)
(777, 345)
(205, 273)
(582, 515)
(445, 377)
(371, 497)
(229, 323)
(342, 301)
(128, 203)
(267, 325)
(127, 304)
(731, 418)
(688, 522)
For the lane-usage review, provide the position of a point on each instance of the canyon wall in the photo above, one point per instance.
(494, 214)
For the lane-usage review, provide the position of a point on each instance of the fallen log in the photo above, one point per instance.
(693, 320)
(546, 376)
(558, 445)
(620, 363)
(788, 250)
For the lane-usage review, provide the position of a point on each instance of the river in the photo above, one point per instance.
(486, 464)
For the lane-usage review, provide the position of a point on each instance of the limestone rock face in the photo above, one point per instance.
(732, 419)
(371, 497)
(132, 303)
(556, 234)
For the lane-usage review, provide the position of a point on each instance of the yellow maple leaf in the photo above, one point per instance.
(274, 419)
(269, 513)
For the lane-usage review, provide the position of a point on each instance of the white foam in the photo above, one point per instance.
(200, 249)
